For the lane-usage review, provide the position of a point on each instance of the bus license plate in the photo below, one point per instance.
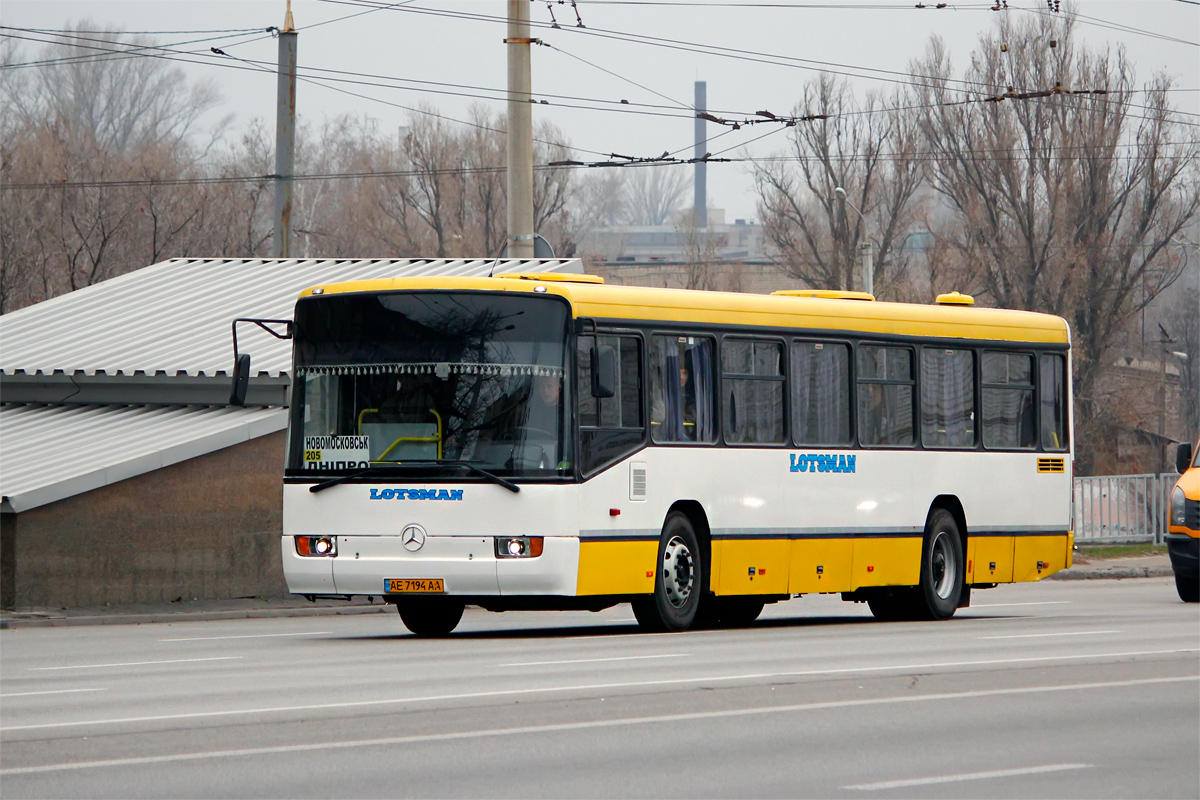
(413, 585)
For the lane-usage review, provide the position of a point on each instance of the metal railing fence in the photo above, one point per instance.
(1123, 508)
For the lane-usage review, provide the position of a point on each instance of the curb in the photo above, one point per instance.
(1113, 574)
(41, 620)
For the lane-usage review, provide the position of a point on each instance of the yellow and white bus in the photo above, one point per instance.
(551, 442)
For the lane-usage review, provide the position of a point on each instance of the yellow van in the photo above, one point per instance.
(1183, 524)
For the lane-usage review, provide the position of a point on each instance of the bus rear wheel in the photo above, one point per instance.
(678, 582)
(943, 569)
(430, 616)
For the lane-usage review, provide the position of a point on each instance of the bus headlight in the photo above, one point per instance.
(518, 546)
(1177, 507)
(316, 545)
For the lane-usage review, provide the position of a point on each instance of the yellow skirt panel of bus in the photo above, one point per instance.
(990, 559)
(616, 567)
(754, 566)
(821, 565)
(887, 562)
(1037, 557)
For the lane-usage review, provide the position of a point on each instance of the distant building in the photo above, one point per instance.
(743, 241)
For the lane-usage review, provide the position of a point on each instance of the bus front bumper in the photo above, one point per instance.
(466, 565)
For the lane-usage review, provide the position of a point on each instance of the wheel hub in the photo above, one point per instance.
(943, 567)
(678, 571)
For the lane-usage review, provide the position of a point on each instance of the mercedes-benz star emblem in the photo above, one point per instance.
(413, 538)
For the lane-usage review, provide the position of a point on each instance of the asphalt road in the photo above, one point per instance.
(1057, 689)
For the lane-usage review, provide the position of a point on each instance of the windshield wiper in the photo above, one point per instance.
(470, 467)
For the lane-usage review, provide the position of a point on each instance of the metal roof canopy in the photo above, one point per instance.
(52, 452)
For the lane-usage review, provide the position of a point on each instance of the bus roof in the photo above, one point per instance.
(639, 303)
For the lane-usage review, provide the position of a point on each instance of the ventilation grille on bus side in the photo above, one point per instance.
(637, 481)
(1052, 465)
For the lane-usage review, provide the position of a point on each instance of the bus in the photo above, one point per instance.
(548, 441)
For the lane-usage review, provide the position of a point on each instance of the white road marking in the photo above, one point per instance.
(135, 663)
(578, 726)
(1006, 605)
(1046, 635)
(593, 660)
(247, 636)
(583, 688)
(968, 776)
(51, 691)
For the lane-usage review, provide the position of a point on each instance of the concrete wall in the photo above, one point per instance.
(206, 528)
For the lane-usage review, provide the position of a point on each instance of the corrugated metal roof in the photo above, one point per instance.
(66, 450)
(174, 317)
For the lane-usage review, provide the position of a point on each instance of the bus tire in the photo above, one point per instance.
(678, 582)
(943, 568)
(1188, 588)
(430, 616)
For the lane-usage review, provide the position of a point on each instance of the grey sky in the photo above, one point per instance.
(421, 42)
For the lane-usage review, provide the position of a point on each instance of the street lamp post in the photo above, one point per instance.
(868, 262)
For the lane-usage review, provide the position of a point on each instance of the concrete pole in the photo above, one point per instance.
(285, 137)
(700, 184)
(520, 133)
(868, 268)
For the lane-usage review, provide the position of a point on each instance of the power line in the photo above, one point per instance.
(618, 161)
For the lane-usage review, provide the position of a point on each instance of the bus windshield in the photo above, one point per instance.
(425, 377)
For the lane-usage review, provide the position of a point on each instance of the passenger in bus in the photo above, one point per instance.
(663, 410)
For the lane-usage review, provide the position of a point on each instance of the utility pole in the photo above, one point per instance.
(285, 137)
(700, 180)
(520, 133)
(868, 268)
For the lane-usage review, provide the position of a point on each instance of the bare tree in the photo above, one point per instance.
(110, 86)
(654, 193)
(1065, 200)
(869, 150)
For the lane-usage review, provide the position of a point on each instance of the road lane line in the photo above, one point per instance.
(51, 691)
(135, 663)
(578, 726)
(968, 776)
(584, 688)
(1046, 635)
(594, 660)
(247, 636)
(1005, 605)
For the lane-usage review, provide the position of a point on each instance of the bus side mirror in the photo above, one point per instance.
(604, 371)
(1183, 457)
(241, 380)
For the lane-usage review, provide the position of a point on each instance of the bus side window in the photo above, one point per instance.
(1008, 411)
(753, 391)
(681, 389)
(610, 427)
(947, 398)
(1053, 392)
(885, 396)
(820, 393)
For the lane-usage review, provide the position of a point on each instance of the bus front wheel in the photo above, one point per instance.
(678, 581)
(430, 616)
